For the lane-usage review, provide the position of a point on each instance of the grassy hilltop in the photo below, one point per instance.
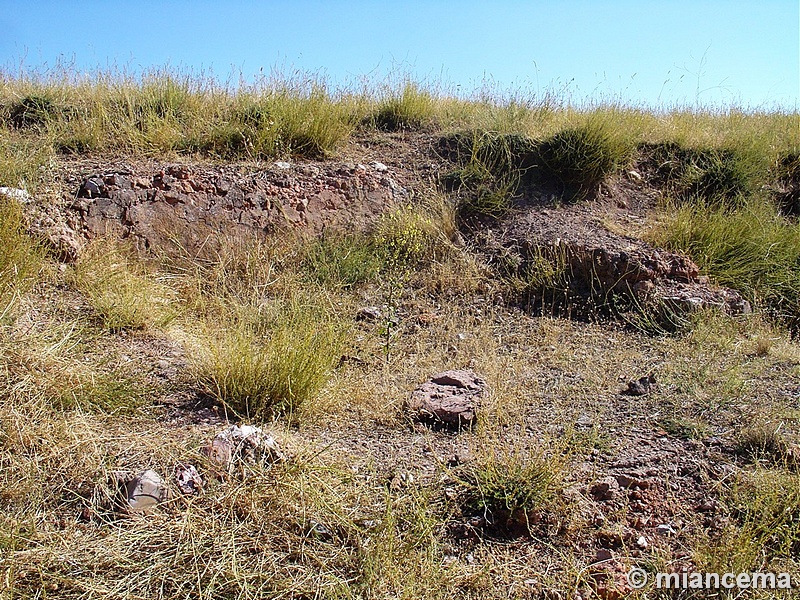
(123, 360)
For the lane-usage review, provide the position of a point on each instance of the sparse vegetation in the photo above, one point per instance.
(20, 258)
(122, 293)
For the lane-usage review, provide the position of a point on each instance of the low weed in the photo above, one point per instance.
(766, 524)
(684, 428)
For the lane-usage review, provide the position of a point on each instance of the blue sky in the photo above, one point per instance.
(642, 52)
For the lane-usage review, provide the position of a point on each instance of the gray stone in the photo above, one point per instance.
(145, 491)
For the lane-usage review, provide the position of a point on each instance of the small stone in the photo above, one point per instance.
(449, 399)
(280, 164)
(641, 386)
(603, 555)
(379, 166)
(368, 313)
(188, 479)
(631, 480)
(243, 444)
(605, 489)
(665, 529)
(145, 491)
(91, 188)
(641, 542)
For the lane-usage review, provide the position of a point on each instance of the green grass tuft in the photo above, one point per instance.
(510, 489)
(275, 370)
(410, 108)
(580, 158)
(751, 248)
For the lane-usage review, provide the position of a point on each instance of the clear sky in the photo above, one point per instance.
(643, 52)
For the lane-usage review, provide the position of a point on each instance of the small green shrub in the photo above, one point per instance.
(258, 376)
(405, 237)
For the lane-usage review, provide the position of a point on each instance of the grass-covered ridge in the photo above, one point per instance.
(168, 113)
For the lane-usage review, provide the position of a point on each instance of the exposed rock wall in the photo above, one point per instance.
(186, 205)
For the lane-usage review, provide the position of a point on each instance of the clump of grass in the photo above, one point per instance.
(275, 370)
(122, 293)
(580, 158)
(751, 248)
(33, 110)
(410, 108)
(21, 259)
(763, 442)
(511, 489)
(493, 166)
(715, 174)
(22, 159)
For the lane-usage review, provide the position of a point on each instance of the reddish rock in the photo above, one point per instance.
(449, 399)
